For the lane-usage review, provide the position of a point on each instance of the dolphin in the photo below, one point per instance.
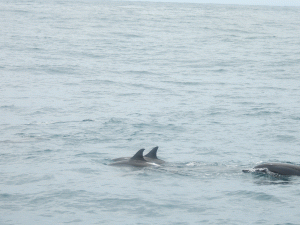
(279, 168)
(151, 156)
(136, 160)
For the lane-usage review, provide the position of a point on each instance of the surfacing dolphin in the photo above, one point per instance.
(137, 160)
(150, 157)
(278, 168)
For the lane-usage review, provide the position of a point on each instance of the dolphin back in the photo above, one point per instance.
(281, 168)
(121, 159)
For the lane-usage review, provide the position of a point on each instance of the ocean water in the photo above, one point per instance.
(216, 87)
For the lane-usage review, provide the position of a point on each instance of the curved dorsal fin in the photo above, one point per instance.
(139, 155)
(152, 153)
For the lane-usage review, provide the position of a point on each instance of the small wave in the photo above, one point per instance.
(87, 120)
(142, 72)
(261, 196)
(5, 195)
(26, 179)
(7, 107)
(286, 138)
(114, 120)
(191, 164)
(261, 113)
(86, 171)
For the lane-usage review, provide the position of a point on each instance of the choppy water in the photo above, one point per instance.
(216, 87)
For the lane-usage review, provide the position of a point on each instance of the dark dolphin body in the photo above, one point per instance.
(280, 168)
(150, 157)
(137, 160)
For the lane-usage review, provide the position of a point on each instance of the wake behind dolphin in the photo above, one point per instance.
(277, 168)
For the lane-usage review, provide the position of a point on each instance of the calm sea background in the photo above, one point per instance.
(216, 87)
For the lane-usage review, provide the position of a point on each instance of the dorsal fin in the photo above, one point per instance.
(152, 153)
(139, 155)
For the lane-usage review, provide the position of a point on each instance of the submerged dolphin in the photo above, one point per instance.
(150, 157)
(137, 160)
(280, 168)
